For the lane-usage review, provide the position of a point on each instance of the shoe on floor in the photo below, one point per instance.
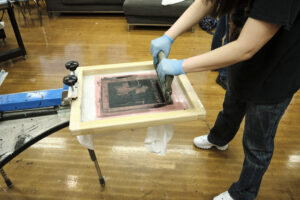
(203, 143)
(223, 196)
(222, 81)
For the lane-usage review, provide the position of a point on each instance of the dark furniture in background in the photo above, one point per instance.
(137, 12)
(84, 6)
(151, 12)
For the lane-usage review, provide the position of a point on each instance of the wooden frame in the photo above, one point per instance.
(78, 127)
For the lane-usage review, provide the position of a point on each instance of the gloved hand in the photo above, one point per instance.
(170, 67)
(162, 43)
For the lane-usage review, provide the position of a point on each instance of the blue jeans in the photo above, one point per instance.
(261, 122)
(217, 41)
(220, 32)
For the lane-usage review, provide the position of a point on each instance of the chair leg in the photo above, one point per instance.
(39, 11)
(18, 4)
(94, 159)
(129, 27)
(28, 7)
(23, 7)
(6, 179)
(2, 35)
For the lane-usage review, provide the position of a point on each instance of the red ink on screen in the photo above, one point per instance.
(131, 94)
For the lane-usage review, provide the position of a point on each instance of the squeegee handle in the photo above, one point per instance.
(161, 55)
(168, 78)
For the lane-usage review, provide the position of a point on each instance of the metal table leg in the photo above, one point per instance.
(94, 159)
(20, 51)
(16, 30)
(7, 180)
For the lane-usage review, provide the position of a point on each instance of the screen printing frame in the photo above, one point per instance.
(77, 127)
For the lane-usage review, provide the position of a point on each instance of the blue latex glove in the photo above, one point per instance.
(170, 67)
(162, 43)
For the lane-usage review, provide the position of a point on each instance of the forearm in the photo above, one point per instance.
(221, 57)
(189, 18)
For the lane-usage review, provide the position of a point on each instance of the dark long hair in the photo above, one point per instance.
(222, 7)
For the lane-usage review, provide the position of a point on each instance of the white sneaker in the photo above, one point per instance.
(223, 196)
(203, 143)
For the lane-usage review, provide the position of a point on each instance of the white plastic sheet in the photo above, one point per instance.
(3, 75)
(86, 141)
(158, 138)
(169, 2)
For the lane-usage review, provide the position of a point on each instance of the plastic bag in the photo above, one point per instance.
(157, 138)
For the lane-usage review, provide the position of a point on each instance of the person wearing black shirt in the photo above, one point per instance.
(264, 69)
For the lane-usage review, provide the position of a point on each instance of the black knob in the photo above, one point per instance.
(70, 80)
(72, 65)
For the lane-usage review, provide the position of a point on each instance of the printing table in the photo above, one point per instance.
(30, 116)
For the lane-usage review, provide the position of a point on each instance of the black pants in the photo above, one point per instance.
(261, 122)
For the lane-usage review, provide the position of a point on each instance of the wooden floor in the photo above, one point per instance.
(58, 167)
